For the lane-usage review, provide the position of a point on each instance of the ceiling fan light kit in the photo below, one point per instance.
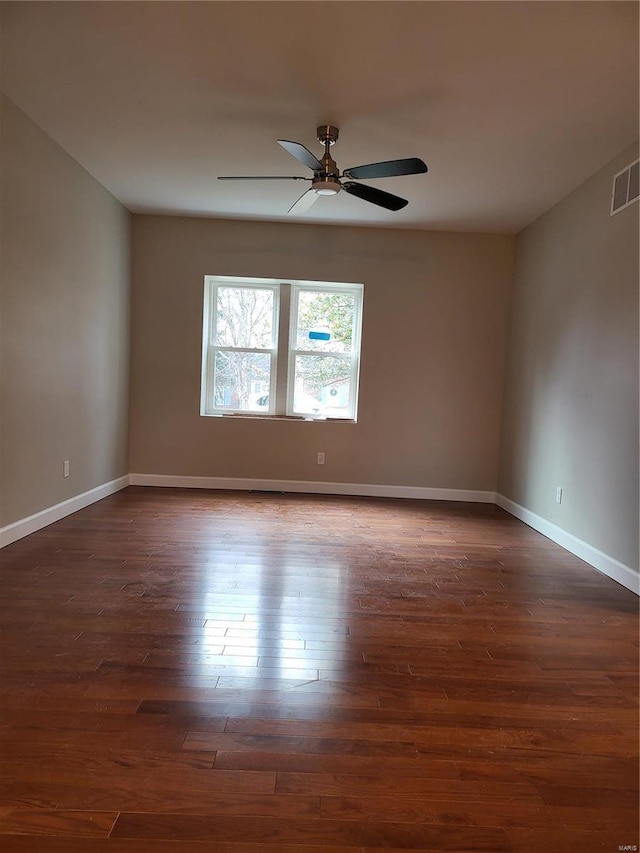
(326, 186)
(326, 175)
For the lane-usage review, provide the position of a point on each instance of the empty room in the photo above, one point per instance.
(319, 434)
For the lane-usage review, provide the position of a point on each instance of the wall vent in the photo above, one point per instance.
(625, 187)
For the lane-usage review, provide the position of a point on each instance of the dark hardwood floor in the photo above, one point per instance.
(218, 672)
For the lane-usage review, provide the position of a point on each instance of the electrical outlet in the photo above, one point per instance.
(65, 468)
(320, 458)
(558, 494)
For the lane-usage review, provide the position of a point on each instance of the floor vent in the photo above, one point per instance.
(625, 188)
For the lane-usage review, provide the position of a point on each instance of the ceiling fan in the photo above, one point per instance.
(327, 179)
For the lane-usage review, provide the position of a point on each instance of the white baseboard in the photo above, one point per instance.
(25, 526)
(309, 487)
(598, 559)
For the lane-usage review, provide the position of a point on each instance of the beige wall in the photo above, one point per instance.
(64, 267)
(571, 404)
(433, 353)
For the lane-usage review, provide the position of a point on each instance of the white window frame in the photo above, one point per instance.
(283, 353)
(352, 357)
(629, 201)
(210, 348)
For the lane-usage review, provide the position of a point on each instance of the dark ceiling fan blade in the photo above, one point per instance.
(302, 154)
(388, 169)
(262, 178)
(375, 196)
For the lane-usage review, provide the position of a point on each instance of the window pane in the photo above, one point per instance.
(242, 381)
(244, 317)
(325, 321)
(322, 386)
(620, 190)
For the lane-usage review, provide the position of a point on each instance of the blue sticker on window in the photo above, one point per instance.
(319, 336)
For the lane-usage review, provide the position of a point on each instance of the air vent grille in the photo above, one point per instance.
(625, 187)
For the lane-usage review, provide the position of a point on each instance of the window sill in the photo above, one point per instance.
(255, 416)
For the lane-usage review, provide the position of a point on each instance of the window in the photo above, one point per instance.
(280, 348)
(626, 187)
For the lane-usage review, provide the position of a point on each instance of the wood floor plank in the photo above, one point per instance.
(151, 799)
(217, 672)
(586, 772)
(333, 784)
(469, 813)
(299, 745)
(82, 823)
(374, 834)
(135, 772)
(353, 765)
(25, 844)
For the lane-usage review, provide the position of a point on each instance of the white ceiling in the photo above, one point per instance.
(511, 104)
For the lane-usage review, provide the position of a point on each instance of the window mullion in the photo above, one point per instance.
(282, 362)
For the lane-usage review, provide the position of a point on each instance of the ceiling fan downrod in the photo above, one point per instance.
(327, 182)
